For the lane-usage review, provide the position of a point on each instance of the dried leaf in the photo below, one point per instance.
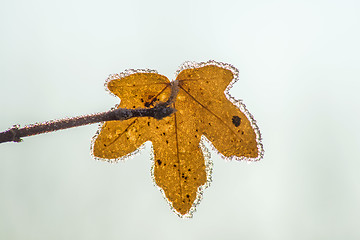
(204, 109)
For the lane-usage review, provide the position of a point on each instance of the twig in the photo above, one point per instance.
(159, 111)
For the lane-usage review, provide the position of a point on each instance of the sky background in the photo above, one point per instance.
(299, 77)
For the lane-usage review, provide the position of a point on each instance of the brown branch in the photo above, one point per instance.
(159, 111)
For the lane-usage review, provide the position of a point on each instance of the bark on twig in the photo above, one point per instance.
(159, 111)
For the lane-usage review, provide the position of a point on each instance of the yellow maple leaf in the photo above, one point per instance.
(204, 111)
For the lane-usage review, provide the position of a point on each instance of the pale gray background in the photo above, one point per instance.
(299, 77)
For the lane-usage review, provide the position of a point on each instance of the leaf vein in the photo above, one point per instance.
(210, 112)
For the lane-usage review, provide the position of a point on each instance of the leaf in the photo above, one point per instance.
(204, 109)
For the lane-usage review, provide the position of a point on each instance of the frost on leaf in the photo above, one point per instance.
(204, 109)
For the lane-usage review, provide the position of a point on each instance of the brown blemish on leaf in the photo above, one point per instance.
(236, 121)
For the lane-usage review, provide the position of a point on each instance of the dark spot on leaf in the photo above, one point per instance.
(147, 104)
(148, 123)
(142, 100)
(167, 141)
(159, 162)
(187, 195)
(242, 132)
(236, 121)
(189, 169)
(133, 106)
(174, 165)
